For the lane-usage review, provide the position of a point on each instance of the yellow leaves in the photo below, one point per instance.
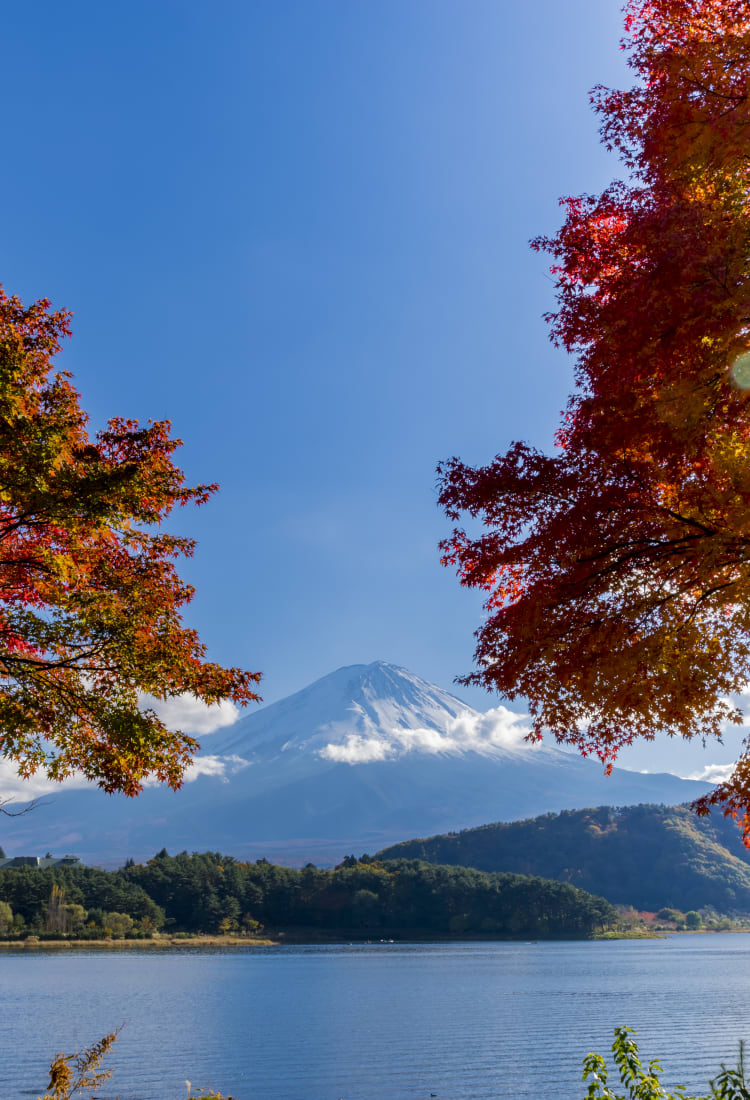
(72, 1073)
(61, 1078)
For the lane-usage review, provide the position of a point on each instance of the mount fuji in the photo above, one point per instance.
(362, 758)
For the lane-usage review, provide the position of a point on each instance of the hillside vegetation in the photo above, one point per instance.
(645, 856)
(213, 893)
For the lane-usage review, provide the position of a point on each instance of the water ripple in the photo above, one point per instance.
(360, 1022)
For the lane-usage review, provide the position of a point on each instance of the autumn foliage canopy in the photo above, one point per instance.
(617, 570)
(89, 595)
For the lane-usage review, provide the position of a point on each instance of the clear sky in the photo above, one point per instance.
(299, 229)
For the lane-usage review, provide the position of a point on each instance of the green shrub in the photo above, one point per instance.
(644, 1084)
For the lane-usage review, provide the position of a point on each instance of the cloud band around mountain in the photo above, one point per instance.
(498, 729)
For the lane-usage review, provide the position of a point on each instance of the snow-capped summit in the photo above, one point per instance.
(363, 713)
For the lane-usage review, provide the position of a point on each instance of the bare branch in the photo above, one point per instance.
(27, 808)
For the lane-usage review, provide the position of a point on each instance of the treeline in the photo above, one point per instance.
(83, 902)
(673, 920)
(211, 893)
(645, 856)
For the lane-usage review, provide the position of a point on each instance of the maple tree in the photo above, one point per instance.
(90, 599)
(617, 570)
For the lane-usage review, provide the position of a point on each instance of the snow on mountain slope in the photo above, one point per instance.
(364, 713)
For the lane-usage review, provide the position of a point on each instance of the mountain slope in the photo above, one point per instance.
(646, 856)
(368, 702)
(366, 756)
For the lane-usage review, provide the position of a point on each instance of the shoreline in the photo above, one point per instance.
(118, 945)
(299, 938)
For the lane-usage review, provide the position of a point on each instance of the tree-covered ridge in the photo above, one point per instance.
(645, 856)
(212, 893)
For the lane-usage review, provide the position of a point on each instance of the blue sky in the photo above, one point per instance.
(299, 229)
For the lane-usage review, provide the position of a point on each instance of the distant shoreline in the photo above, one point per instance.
(119, 945)
(300, 938)
(291, 938)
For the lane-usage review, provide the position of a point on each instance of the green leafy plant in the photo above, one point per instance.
(643, 1083)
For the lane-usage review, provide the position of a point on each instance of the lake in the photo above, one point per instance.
(389, 1021)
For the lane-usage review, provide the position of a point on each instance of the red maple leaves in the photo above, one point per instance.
(617, 572)
(90, 599)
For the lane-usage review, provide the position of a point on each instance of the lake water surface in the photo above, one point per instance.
(387, 1021)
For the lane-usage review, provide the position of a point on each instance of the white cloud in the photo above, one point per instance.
(192, 715)
(712, 773)
(357, 750)
(498, 729)
(421, 740)
(217, 767)
(23, 790)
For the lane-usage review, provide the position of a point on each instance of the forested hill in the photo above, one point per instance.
(645, 856)
(213, 893)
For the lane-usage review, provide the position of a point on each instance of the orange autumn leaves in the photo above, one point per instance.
(617, 571)
(90, 599)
